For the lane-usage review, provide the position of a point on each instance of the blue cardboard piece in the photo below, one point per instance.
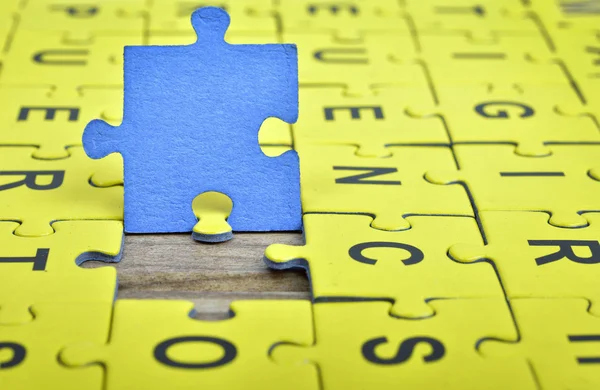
(191, 120)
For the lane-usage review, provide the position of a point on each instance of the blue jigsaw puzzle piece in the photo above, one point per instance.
(191, 120)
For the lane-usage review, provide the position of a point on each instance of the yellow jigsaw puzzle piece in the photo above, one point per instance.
(371, 122)
(559, 340)
(537, 260)
(335, 180)
(91, 17)
(377, 59)
(46, 268)
(346, 259)
(29, 352)
(155, 344)
(479, 19)
(346, 21)
(256, 16)
(38, 192)
(524, 116)
(212, 209)
(456, 60)
(500, 180)
(47, 58)
(35, 116)
(358, 345)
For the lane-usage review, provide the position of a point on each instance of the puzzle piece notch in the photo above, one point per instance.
(500, 180)
(45, 269)
(212, 210)
(359, 345)
(346, 259)
(38, 192)
(33, 347)
(535, 259)
(558, 339)
(523, 115)
(335, 180)
(239, 166)
(178, 351)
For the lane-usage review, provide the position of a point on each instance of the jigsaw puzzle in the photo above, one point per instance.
(265, 191)
(345, 259)
(182, 352)
(449, 160)
(359, 345)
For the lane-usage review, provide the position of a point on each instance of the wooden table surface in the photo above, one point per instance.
(173, 266)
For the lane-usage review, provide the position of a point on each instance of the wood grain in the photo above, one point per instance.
(173, 266)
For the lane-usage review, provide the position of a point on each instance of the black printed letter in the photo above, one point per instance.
(565, 250)
(29, 180)
(404, 351)
(356, 252)
(160, 352)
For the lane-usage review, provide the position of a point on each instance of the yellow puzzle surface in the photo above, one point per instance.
(450, 186)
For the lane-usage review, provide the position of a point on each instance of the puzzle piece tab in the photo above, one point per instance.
(204, 103)
(256, 16)
(38, 192)
(346, 21)
(371, 122)
(36, 116)
(177, 351)
(559, 340)
(106, 17)
(377, 59)
(347, 259)
(524, 116)
(45, 269)
(335, 180)
(358, 345)
(500, 180)
(29, 352)
(66, 60)
(537, 260)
